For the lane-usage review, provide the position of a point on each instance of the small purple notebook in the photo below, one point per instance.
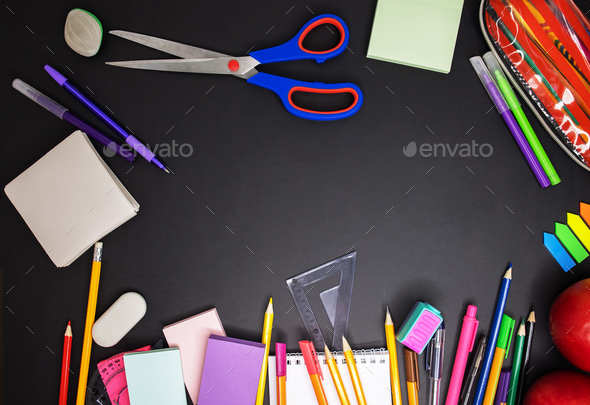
(231, 371)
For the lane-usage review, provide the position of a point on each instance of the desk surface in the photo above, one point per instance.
(265, 195)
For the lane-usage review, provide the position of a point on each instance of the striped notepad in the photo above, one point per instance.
(373, 368)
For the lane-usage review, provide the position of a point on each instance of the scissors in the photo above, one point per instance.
(199, 60)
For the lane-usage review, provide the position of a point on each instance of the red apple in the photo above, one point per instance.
(562, 387)
(569, 323)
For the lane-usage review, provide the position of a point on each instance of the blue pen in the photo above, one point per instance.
(487, 360)
(130, 139)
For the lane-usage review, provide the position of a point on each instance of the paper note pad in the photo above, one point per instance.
(155, 377)
(418, 33)
(231, 372)
(190, 336)
(372, 365)
(70, 199)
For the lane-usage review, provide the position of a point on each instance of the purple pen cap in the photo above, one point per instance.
(58, 77)
(486, 78)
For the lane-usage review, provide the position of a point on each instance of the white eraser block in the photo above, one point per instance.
(119, 319)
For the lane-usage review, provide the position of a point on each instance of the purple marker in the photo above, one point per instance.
(504, 110)
(130, 139)
(64, 114)
(503, 385)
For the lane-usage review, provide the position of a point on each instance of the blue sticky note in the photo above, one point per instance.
(558, 252)
(154, 377)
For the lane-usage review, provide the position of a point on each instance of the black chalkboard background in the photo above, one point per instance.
(265, 195)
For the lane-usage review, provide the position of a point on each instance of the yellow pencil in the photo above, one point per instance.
(90, 313)
(266, 334)
(336, 378)
(396, 391)
(354, 373)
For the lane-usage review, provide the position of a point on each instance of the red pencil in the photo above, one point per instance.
(65, 366)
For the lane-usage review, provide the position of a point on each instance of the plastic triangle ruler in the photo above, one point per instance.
(336, 300)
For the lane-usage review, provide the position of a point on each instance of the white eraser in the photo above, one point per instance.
(119, 319)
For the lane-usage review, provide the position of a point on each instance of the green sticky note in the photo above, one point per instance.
(570, 242)
(418, 33)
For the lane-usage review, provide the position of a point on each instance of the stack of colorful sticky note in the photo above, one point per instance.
(573, 237)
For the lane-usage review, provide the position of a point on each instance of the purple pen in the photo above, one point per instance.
(130, 139)
(64, 114)
(503, 109)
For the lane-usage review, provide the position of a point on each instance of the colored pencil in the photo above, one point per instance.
(266, 335)
(516, 360)
(396, 391)
(65, 366)
(336, 377)
(354, 373)
(524, 369)
(491, 345)
(90, 313)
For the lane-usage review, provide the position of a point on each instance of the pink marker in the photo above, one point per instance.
(465, 346)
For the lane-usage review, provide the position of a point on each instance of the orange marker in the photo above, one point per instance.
(313, 368)
(281, 355)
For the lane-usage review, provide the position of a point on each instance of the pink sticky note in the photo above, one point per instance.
(190, 336)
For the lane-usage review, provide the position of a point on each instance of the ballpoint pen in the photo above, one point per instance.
(434, 363)
(466, 393)
(465, 346)
(130, 139)
(63, 114)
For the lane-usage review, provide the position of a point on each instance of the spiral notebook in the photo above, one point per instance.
(372, 365)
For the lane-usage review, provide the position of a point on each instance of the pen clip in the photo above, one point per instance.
(314, 356)
(428, 355)
(509, 338)
(473, 336)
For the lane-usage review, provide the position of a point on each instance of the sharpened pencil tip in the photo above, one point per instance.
(345, 346)
(269, 308)
(532, 317)
(508, 273)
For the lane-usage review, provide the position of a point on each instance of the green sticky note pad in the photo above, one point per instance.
(418, 33)
(570, 242)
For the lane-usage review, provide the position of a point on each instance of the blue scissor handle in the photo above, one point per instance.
(286, 87)
(294, 50)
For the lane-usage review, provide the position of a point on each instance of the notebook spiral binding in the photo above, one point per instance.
(362, 356)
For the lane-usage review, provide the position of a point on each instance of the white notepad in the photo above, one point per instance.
(372, 365)
(70, 199)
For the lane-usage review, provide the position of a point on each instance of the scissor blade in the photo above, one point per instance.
(171, 47)
(208, 65)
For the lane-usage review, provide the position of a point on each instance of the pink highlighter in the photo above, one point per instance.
(465, 346)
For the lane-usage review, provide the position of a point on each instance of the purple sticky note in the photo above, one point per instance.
(231, 371)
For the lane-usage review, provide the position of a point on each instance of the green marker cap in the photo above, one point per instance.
(505, 335)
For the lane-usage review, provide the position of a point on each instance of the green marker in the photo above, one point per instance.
(512, 101)
(516, 361)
